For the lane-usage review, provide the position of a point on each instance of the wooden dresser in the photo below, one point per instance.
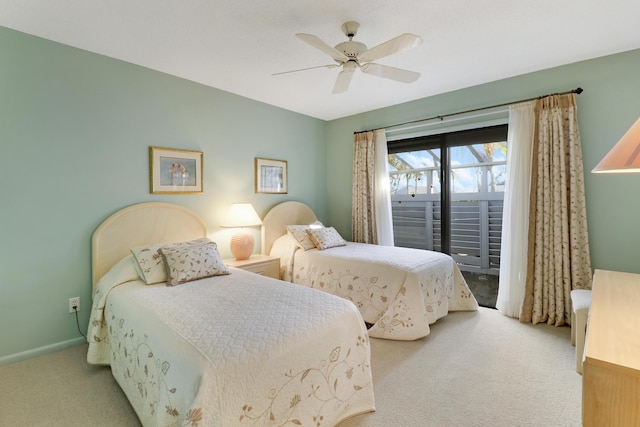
(611, 368)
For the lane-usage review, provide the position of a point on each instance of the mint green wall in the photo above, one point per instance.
(606, 109)
(75, 131)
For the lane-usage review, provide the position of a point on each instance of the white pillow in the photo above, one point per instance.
(149, 262)
(185, 263)
(299, 232)
(325, 238)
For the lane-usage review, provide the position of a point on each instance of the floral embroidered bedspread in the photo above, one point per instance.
(239, 350)
(399, 291)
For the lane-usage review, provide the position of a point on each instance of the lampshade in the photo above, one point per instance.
(624, 157)
(241, 215)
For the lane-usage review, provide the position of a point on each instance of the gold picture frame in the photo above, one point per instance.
(271, 176)
(175, 171)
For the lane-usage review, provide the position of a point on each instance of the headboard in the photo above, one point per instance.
(276, 220)
(137, 225)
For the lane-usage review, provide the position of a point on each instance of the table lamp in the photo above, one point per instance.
(624, 157)
(241, 215)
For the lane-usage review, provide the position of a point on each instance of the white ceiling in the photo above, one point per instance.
(236, 45)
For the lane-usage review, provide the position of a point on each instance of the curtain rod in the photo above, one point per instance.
(442, 116)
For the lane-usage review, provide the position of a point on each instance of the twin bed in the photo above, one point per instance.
(398, 291)
(232, 349)
(229, 347)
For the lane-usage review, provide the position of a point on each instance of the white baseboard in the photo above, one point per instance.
(40, 351)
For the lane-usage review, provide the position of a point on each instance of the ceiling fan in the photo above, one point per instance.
(351, 55)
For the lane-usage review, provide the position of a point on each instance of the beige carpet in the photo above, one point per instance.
(474, 369)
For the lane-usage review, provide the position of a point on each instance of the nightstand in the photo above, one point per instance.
(260, 264)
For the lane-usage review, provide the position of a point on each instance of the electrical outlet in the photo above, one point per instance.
(74, 302)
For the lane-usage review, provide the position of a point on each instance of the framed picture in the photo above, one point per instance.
(271, 176)
(175, 171)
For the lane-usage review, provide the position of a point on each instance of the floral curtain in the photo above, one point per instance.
(558, 258)
(371, 201)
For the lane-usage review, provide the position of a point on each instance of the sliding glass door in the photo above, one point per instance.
(447, 192)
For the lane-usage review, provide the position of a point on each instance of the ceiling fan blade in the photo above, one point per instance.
(397, 44)
(305, 69)
(316, 42)
(398, 74)
(344, 78)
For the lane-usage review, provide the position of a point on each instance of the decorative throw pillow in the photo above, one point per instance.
(299, 232)
(185, 263)
(149, 262)
(325, 238)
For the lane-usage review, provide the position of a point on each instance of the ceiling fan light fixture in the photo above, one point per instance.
(350, 66)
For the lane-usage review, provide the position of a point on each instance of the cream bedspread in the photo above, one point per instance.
(239, 349)
(400, 291)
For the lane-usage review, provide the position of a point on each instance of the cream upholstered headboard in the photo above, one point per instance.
(141, 224)
(276, 220)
